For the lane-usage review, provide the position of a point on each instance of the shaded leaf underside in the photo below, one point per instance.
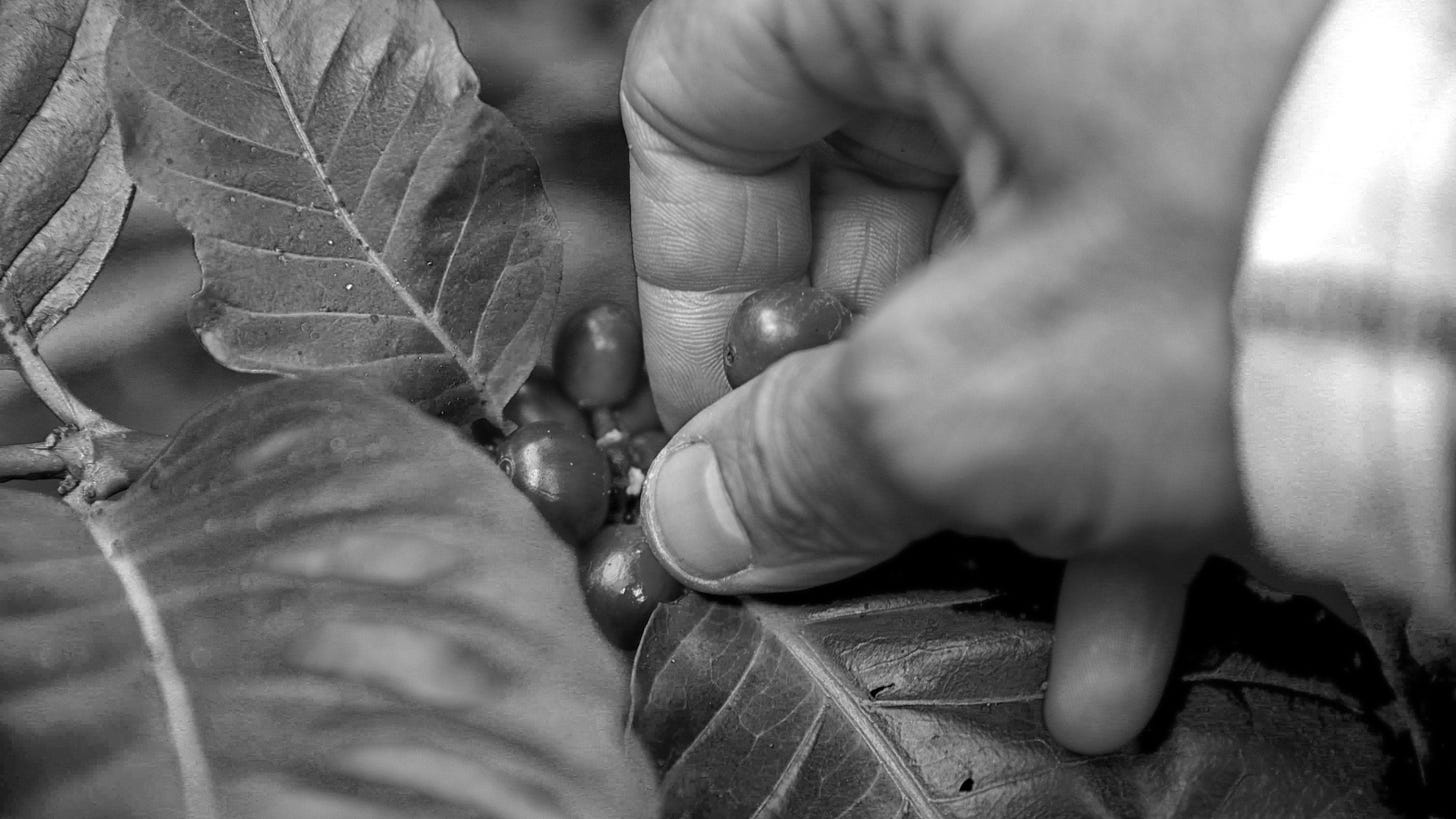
(357, 616)
(925, 701)
(63, 190)
(356, 209)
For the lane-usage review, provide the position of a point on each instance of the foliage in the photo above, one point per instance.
(319, 601)
(269, 623)
(63, 192)
(917, 692)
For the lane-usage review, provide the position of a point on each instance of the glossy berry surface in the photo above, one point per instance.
(539, 399)
(623, 583)
(773, 322)
(563, 473)
(598, 355)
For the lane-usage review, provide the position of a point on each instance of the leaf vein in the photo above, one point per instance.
(955, 702)
(459, 237)
(198, 794)
(720, 715)
(334, 54)
(5, 273)
(175, 49)
(772, 805)
(835, 689)
(346, 218)
(210, 27)
(327, 159)
(409, 186)
(294, 254)
(247, 140)
(254, 194)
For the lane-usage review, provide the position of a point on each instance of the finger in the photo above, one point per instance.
(953, 222)
(716, 113)
(877, 190)
(769, 489)
(787, 482)
(1117, 628)
(702, 238)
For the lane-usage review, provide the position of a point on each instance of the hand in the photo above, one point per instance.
(1039, 210)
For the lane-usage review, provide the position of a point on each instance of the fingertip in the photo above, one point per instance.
(769, 490)
(1117, 628)
(683, 344)
(1098, 713)
(689, 519)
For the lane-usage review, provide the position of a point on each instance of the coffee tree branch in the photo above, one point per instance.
(38, 374)
(30, 462)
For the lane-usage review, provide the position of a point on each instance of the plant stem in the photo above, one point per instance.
(30, 461)
(38, 374)
(95, 457)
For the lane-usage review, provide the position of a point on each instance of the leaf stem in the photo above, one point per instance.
(96, 457)
(30, 462)
(42, 380)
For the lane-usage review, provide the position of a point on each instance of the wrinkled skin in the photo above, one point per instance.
(1040, 209)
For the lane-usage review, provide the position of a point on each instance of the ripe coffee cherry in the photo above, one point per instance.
(623, 583)
(564, 475)
(776, 321)
(539, 399)
(598, 355)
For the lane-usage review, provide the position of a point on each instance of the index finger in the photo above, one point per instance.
(716, 112)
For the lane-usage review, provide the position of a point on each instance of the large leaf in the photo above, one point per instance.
(63, 191)
(318, 603)
(356, 209)
(920, 696)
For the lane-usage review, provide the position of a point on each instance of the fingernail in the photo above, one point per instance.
(689, 518)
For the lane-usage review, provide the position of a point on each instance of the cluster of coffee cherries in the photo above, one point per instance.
(587, 431)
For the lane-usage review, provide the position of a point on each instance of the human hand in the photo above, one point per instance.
(1062, 191)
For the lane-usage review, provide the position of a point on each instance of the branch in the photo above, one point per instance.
(95, 457)
(17, 336)
(30, 461)
(116, 460)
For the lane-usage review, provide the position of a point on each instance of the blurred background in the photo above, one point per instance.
(551, 65)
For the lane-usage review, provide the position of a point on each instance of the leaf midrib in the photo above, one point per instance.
(833, 681)
(199, 797)
(347, 219)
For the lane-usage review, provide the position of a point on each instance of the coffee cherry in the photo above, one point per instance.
(773, 322)
(539, 399)
(598, 355)
(563, 473)
(623, 583)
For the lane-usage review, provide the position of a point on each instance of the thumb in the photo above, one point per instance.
(771, 488)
